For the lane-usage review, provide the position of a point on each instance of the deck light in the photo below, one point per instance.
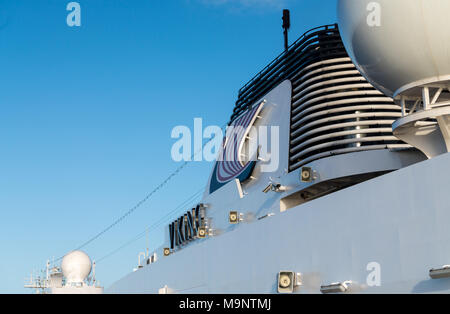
(287, 281)
(439, 273)
(336, 287)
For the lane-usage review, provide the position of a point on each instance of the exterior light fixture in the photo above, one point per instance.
(439, 273)
(268, 188)
(233, 217)
(202, 232)
(288, 280)
(307, 174)
(337, 287)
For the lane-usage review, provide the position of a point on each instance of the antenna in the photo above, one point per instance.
(147, 240)
(93, 273)
(286, 27)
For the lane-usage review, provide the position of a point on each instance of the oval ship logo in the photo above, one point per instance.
(230, 164)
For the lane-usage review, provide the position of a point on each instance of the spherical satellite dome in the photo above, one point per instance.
(398, 45)
(76, 266)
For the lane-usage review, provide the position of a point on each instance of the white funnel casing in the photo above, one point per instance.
(402, 47)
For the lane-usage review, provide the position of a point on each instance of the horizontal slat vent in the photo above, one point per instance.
(334, 109)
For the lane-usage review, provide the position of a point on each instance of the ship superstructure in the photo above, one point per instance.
(72, 277)
(341, 209)
(333, 173)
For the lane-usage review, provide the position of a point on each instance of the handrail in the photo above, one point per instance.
(286, 64)
(306, 34)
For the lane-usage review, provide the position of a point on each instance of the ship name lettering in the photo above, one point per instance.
(185, 229)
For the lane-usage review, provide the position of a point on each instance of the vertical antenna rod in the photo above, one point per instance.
(286, 27)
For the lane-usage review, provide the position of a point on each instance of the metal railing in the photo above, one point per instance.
(285, 66)
(334, 110)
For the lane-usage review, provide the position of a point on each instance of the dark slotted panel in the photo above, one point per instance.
(334, 109)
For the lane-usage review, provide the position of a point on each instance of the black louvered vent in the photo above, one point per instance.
(334, 109)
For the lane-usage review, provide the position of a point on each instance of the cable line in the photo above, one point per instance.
(154, 226)
(141, 202)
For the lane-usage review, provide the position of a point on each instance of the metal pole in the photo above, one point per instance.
(286, 27)
(286, 40)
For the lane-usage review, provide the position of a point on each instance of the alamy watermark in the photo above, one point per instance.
(236, 144)
(374, 277)
(74, 17)
(374, 16)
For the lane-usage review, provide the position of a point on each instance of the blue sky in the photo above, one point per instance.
(86, 114)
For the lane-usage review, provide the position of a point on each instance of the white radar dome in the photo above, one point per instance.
(76, 266)
(398, 45)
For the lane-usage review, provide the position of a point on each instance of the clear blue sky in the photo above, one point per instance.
(86, 114)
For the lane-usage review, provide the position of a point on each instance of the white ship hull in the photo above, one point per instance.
(350, 203)
(399, 220)
(325, 183)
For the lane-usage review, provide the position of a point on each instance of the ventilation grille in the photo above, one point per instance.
(334, 109)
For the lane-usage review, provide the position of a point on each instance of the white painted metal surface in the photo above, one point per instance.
(409, 61)
(397, 45)
(399, 221)
(329, 239)
(76, 266)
